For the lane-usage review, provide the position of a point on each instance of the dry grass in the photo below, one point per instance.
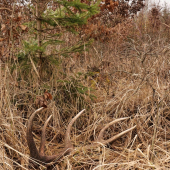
(134, 85)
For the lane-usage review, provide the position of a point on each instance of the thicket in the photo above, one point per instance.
(108, 58)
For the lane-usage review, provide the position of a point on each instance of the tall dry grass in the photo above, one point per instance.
(130, 76)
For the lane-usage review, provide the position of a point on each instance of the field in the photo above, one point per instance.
(123, 72)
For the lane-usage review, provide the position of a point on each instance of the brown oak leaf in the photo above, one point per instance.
(41, 101)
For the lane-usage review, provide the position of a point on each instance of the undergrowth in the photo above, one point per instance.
(126, 77)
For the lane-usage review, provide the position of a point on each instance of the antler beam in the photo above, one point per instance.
(39, 156)
(100, 137)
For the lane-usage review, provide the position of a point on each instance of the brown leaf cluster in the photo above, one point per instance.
(113, 17)
(97, 31)
(11, 26)
(109, 5)
(41, 101)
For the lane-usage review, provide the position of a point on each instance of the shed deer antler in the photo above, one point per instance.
(38, 157)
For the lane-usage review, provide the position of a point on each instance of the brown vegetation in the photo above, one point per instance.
(128, 70)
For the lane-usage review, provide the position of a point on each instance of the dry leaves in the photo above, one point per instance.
(23, 27)
(41, 101)
(2, 27)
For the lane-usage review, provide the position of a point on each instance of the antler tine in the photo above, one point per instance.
(42, 145)
(119, 135)
(67, 136)
(100, 137)
(31, 144)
